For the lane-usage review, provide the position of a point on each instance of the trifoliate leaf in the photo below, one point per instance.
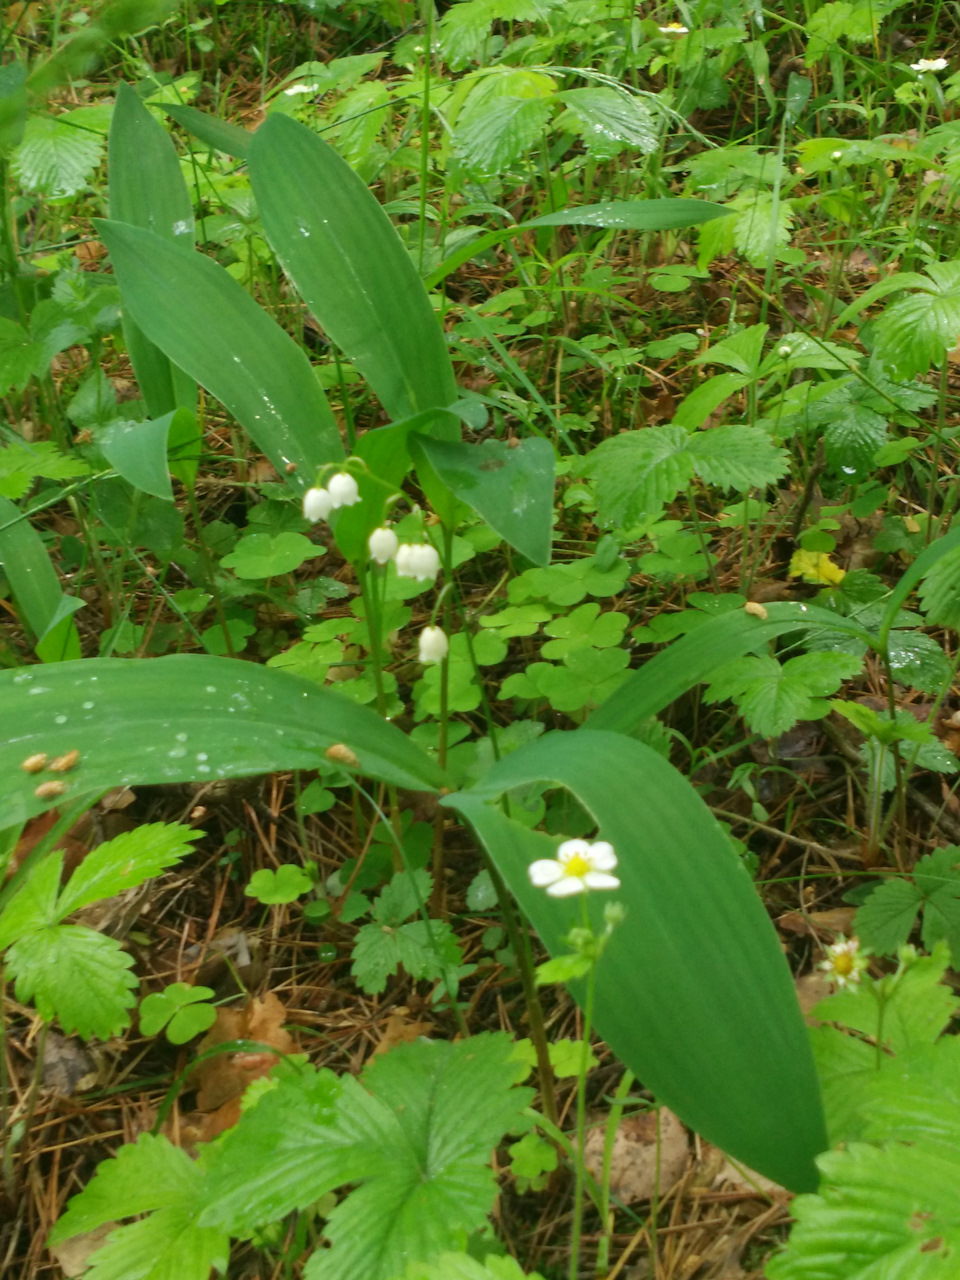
(892, 1212)
(940, 591)
(585, 626)
(285, 884)
(517, 620)
(151, 1176)
(56, 158)
(918, 330)
(180, 1006)
(885, 920)
(737, 457)
(425, 949)
(94, 999)
(772, 698)
(126, 861)
(566, 1058)
(262, 555)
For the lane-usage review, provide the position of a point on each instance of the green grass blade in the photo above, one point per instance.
(209, 325)
(36, 588)
(693, 992)
(146, 189)
(688, 661)
(626, 215)
(350, 267)
(184, 718)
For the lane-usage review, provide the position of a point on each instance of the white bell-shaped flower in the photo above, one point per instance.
(418, 560)
(317, 505)
(343, 489)
(434, 645)
(382, 545)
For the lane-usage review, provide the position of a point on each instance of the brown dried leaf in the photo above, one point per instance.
(399, 1030)
(73, 1255)
(640, 1166)
(226, 1075)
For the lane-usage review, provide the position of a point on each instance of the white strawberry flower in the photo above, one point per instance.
(578, 866)
(317, 505)
(845, 961)
(930, 64)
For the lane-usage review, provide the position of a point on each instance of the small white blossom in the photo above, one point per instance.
(836, 155)
(675, 29)
(784, 352)
(434, 645)
(317, 505)
(845, 961)
(382, 545)
(418, 560)
(930, 64)
(343, 489)
(577, 867)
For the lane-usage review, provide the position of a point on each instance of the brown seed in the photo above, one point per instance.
(342, 754)
(33, 764)
(754, 609)
(63, 764)
(49, 790)
(290, 468)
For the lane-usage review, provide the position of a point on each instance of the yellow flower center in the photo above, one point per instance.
(843, 964)
(577, 866)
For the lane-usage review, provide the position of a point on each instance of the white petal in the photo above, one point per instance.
(544, 872)
(574, 849)
(343, 489)
(598, 880)
(602, 855)
(566, 887)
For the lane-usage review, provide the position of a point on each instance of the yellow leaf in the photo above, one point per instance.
(816, 566)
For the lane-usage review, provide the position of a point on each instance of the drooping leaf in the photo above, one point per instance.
(693, 984)
(231, 139)
(512, 489)
(185, 717)
(139, 451)
(348, 263)
(209, 326)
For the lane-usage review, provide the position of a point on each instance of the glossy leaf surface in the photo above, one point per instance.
(210, 326)
(693, 987)
(183, 718)
(350, 267)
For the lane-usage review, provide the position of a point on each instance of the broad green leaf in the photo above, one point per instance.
(667, 214)
(940, 591)
(694, 657)
(56, 157)
(512, 489)
(150, 1176)
(34, 905)
(503, 116)
(182, 718)
(737, 457)
(916, 331)
(95, 999)
(693, 987)
(889, 1213)
(264, 555)
(762, 227)
(126, 861)
(917, 661)
(138, 451)
(147, 189)
(13, 105)
(772, 697)
(20, 359)
(465, 26)
(611, 119)
(231, 139)
(885, 920)
(852, 438)
(460, 1266)
(21, 462)
(206, 323)
(45, 609)
(350, 267)
(696, 408)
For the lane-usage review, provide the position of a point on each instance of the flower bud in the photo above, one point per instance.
(317, 505)
(434, 645)
(343, 489)
(418, 560)
(382, 545)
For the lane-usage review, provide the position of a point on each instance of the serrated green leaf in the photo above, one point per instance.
(638, 472)
(852, 438)
(916, 660)
(917, 330)
(886, 918)
(940, 591)
(95, 999)
(460, 1266)
(56, 157)
(772, 698)
(737, 457)
(403, 897)
(20, 359)
(125, 862)
(34, 905)
(21, 462)
(883, 1212)
(610, 119)
(166, 1246)
(762, 226)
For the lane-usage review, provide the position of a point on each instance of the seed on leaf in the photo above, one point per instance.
(33, 764)
(754, 609)
(342, 754)
(49, 790)
(64, 763)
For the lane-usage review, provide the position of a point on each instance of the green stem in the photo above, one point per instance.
(580, 1167)
(609, 1137)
